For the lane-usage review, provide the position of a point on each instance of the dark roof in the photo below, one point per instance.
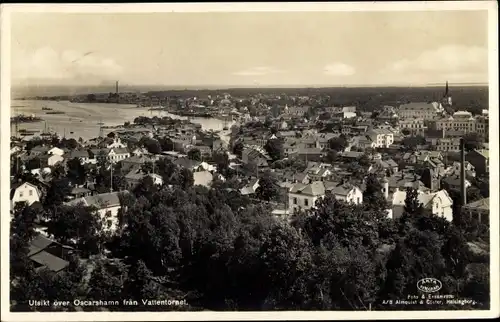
(38, 244)
(50, 261)
(187, 163)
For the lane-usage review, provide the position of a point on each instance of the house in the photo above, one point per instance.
(39, 150)
(51, 159)
(381, 137)
(116, 143)
(309, 154)
(255, 156)
(107, 206)
(439, 203)
(82, 155)
(135, 176)
(480, 159)
(363, 142)
(318, 173)
(80, 192)
(345, 192)
(192, 165)
(202, 178)
(250, 188)
(479, 210)
(140, 151)
(453, 182)
(117, 154)
(304, 196)
(48, 254)
(56, 151)
(423, 110)
(415, 126)
(135, 161)
(24, 192)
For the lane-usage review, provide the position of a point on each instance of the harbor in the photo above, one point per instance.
(81, 120)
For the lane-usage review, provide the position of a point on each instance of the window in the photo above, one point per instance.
(20, 194)
(294, 201)
(359, 200)
(306, 202)
(31, 192)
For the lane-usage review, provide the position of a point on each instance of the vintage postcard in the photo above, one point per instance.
(240, 161)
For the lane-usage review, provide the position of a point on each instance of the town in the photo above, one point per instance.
(248, 217)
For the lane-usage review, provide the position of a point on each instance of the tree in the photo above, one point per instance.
(338, 144)
(194, 154)
(274, 147)
(33, 163)
(79, 226)
(107, 280)
(166, 144)
(412, 142)
(238, 149)
(221, 159)
(268, 189)
(57, 192)
(472, 141)
(111, 135)
(76, 171)
(373, 195)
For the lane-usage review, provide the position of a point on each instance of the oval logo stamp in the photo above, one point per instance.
(429, 285)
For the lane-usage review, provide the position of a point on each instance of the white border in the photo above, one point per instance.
(7, 9)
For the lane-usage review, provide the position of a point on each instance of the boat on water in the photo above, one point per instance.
(55, 112)
(25, 119)
(45, 108)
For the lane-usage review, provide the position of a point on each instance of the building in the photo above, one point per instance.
(56, 151)
(345, 192)
(448, 144)
(135, 176)
(381, 137)
(39, 150)
(117, 154)
(48, 254)
(24, 192)
(439, 203)
(81, 155)
(479, 210)
(304, 196)
(202, 178)
(51, 159)
(480, 159)
(107, 206)
(415, 126)
(250, 188)
(482, 125)
(461, 121)
(422, 110)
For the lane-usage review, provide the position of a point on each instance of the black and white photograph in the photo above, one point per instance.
(284, 159)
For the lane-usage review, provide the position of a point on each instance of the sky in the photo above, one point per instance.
(250, 48)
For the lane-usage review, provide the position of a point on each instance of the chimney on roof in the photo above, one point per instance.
(463, 191)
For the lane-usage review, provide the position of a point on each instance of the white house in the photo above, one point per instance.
(382, 138)
(52, 159)
(250, 188)
(202, 178)
(440, 203)
(24, 192)
(117, 143)
(304, 196)
(56, 151)
(107, 205)
(118, 154)
(348, 193)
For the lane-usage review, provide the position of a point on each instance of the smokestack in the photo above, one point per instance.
(463, 191)
(116, 87)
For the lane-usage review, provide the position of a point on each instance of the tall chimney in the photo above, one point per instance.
(116, 87)
(463, 191)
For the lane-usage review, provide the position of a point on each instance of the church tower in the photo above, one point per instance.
(447, 97)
